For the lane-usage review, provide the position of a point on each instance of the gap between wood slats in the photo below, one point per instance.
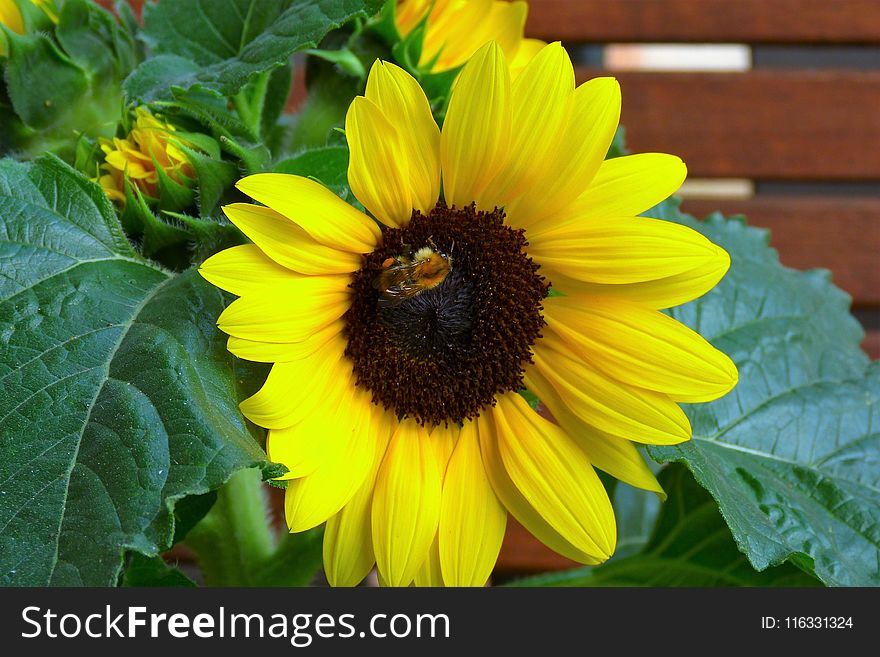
(749, 21)
(776, 125)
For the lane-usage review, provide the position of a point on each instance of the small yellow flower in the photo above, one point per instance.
(399, 348)
(456, 29)
(10, 16)
(151, 144)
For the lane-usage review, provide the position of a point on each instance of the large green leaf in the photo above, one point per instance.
(221, 44)
(792, 454)
(117, 395)
(690, 546)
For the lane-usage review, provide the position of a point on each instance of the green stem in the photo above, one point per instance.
(235, 539)
(249, 103)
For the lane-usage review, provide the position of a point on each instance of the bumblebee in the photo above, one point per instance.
(409, 274)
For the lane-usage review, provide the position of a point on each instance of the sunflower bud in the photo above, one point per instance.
(148, 157)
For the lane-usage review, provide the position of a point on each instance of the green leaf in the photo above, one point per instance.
(690, 546)
(95, 41)
(792, 454)
(229, 41)
(42, 82)
(155, 78)
(153, 571)
(636, 513)
(327, 164)
(189, 511)
(118, 396)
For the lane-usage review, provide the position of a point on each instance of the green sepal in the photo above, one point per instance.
(344, 58)
(172, 194)
(408, 51)
(214, 177)
(209, 235)
(438, 88)
(139, 221)
(88, 156)
(385, 23)
(254, 157)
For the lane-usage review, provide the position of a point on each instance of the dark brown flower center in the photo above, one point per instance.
(441, 353)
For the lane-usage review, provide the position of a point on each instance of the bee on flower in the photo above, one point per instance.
(500, 253)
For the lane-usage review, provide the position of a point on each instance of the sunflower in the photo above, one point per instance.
(456, 29)
(400, 348)
(149, 150)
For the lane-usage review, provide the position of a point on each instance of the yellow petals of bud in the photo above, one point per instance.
(150, 145)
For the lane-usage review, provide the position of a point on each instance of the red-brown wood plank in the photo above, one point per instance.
(787, 125)
(523, 554)
(750, 21)
(840, 234)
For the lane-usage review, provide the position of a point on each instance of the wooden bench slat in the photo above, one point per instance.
(840, 234)
(749, 21)
(783, 125)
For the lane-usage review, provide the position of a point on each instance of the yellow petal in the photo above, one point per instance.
(450, 33)
(298, 448)
(555, 476)
(287, 243)
(302, 447)
(378, 167)
(476, 132)
(408, 14)
(609, 405)
(627, 186)
(592, 121)
(611, 454)
(472, 519)
(620, 459)
(289, 314)
(661, 293)
(624, 250)
(245, 269)
(281, 352)
(285, 400)
(348, 536)
(540, 103)
(404, 104)
(347, 460)
(10, 16)
(406, 505)
(641, 347)
(527, 49)
(475, 23)
(429, 574)
(318, 211)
